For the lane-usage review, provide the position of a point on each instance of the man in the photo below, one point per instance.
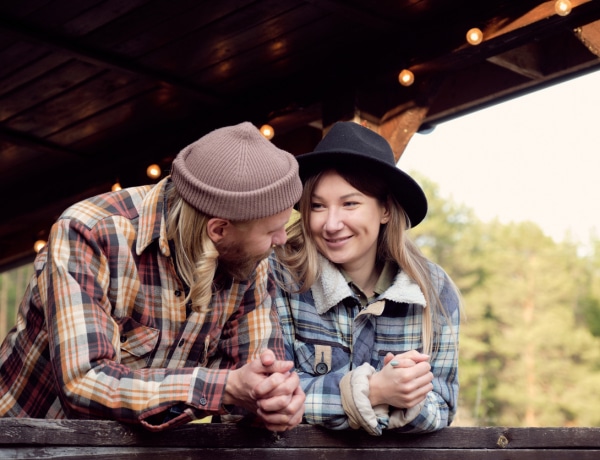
(152, 305)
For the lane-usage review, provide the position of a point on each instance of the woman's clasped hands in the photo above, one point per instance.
(403, 382)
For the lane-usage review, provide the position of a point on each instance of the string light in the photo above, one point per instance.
(153, 171)
(562, 7)
(474, 36)
(38, 245)
(406, 77)
(116, 187)
(267, 131)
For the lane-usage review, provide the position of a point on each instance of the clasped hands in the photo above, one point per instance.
(269, 388)
(403, 382)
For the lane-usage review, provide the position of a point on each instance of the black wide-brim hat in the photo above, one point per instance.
(348, 143)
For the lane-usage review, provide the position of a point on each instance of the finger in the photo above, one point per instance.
(271, 386)
(415, 355)
(388, 357)
(275, 404)
(286, 404)
(288, 418)
(402, 362)
(277, 385)
(279, 366)
(267, 357)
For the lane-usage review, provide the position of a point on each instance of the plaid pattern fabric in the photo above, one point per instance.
(342, 338)
(103, 330)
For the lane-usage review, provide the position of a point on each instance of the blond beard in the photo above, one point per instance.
(237, 262)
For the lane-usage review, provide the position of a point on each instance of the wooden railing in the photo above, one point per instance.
(73, 439)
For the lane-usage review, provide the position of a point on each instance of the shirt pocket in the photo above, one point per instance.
(137, 343)
(320, 358)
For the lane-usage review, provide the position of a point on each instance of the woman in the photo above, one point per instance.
(371, 324)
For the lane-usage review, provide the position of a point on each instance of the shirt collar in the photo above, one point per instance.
(152, 219)
(331, 287)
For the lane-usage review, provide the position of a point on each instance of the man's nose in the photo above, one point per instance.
(279, 238)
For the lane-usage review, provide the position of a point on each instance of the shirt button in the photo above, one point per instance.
(203, 401)
(181, 342)
(177, 292)
(322, 368)
(123, 338)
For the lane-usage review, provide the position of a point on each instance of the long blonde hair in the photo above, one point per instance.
(195, 253)
(300, 254)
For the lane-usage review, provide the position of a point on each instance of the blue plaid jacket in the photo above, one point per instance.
(328, 333)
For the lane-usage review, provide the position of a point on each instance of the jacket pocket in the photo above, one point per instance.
(137, 343)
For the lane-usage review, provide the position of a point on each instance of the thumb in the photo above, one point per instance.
(267, 357)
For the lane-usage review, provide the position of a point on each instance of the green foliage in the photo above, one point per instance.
(12, 287)
(530, 338)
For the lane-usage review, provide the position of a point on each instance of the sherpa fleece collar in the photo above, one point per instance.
(331, 288)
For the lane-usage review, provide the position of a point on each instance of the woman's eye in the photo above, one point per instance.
(316, 206)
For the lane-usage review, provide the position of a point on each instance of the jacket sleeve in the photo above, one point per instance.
(440, 405)
(85, 343)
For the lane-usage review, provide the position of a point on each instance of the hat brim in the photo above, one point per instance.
(404, 188)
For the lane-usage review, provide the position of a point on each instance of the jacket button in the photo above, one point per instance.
(203, 401)
(123, 338)
(177, 292)
(322, 368)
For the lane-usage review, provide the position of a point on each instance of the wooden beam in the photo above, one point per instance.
(399, 129)
(589, 35)
(102, 58)
(500, 36)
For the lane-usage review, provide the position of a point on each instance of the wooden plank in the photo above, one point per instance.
(130, 34)
(218, 436)
(233, 34)
(100, 93)
(99, 15)
(56, 13)
(174, 25)
(126, 453)
(49, 85)
(15, 58)
(22, 7)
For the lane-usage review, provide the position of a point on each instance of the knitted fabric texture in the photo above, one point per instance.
(236, 173)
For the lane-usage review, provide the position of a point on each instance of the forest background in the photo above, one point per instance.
(530, 335)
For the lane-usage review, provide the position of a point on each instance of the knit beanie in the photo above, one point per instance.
(236, 173)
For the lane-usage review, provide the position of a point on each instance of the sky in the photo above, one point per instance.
(533, 158)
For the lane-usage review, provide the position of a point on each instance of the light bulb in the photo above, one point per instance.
(474, 36)
(267, 131)
(562, 7)
(406, 77)
(116, 187)
(38, 245)
(153, 171)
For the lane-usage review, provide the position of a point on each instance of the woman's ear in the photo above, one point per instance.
(217, 229)
(386, 215)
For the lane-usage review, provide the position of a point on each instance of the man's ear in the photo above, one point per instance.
(218, 229)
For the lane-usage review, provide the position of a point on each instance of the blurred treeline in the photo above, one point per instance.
(530, 336)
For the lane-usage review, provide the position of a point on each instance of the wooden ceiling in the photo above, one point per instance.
(93, 91)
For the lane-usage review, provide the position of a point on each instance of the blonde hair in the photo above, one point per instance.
(300, 254)
(195, 253)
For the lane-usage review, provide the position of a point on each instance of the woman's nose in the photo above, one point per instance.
(333, 222)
